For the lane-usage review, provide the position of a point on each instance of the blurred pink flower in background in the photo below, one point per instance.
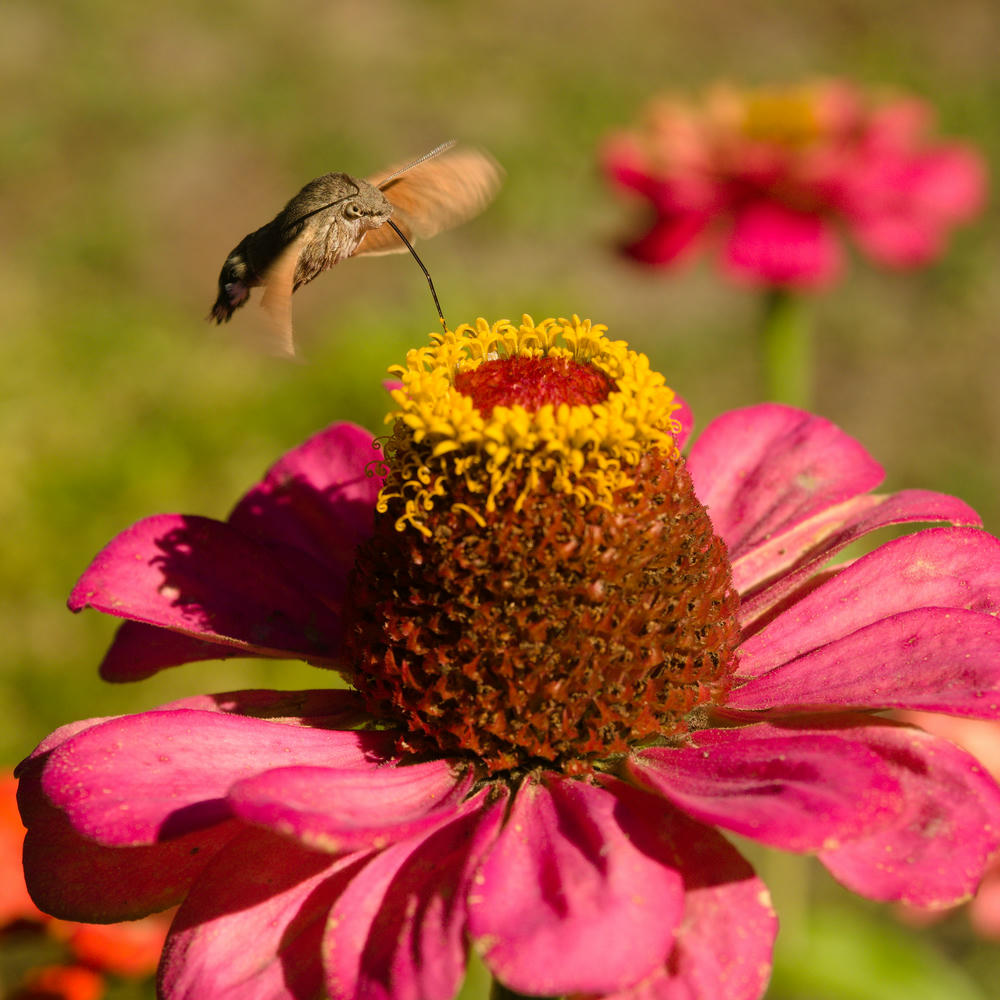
(772, 177)
(523, 784)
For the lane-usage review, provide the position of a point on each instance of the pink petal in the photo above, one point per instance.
(569, 873)
(686, 190)
(204, 578)
(327, 708)
(903, 205)
(36, 759)
(940, 567)
(398, 931)
(139, 651)
(981, 737)
(939, 659)
(789, 787)
(252, 926)
(145, 778)
(75, 879)
(316, 493)
(951, 182)
(671, 239)
(936, 850)
(765, 469)
(899, 240)
(774, 245)
(316, 505)
(346, 809)
(725, 940)
(898, 125)
(784, 561)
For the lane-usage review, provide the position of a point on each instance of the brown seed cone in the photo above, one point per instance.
(559, 635)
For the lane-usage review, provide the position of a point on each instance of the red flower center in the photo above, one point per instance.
(533, 382)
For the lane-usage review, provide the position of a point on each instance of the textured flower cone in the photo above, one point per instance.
(516, 622)
(578, 659)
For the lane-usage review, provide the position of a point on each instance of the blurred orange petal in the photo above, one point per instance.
(15, 903)
(61, 982)
(126, 949)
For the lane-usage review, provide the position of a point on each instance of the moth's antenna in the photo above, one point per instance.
(384, 183)
(427, 275)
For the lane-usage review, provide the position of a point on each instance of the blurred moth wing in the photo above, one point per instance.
(279, 283)
(432, 195)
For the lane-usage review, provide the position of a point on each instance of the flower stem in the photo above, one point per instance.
(785, 349)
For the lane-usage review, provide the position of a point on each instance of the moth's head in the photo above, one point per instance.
(369, 206)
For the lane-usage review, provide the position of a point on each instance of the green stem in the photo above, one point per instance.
(785, 349)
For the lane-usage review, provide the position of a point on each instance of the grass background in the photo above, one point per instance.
(140, 143)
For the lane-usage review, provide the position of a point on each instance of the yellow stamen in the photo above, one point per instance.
(580, 450)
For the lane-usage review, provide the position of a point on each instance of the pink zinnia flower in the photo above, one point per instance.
(771, 175)
(576, 658)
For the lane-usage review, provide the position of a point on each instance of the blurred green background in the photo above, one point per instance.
(140, 143)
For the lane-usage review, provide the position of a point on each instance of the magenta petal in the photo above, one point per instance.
(317, 494)
(75, 879)
(315, 506)
(145, 778)
(950, 182)
(724, 943)
(398, 931)
(764, 469)
(936, 659)
(673, 194)
(786, 558)
(936, 850)
(940, 567)
(337, 810)
(671, 238)
(564, 879)
(252, 926)
(774, 245)
(906, 204)
(139, 651)
(899, 240)
(204, 578)
(793, 788)
(327, 708)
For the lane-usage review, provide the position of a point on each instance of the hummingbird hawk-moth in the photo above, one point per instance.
(337, 216)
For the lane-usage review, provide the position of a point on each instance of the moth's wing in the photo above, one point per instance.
(279, 283)
(434, 195)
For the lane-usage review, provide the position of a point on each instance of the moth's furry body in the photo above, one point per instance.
(330, 215)
(337, 216)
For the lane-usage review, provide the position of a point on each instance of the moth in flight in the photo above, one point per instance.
(337, 216)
